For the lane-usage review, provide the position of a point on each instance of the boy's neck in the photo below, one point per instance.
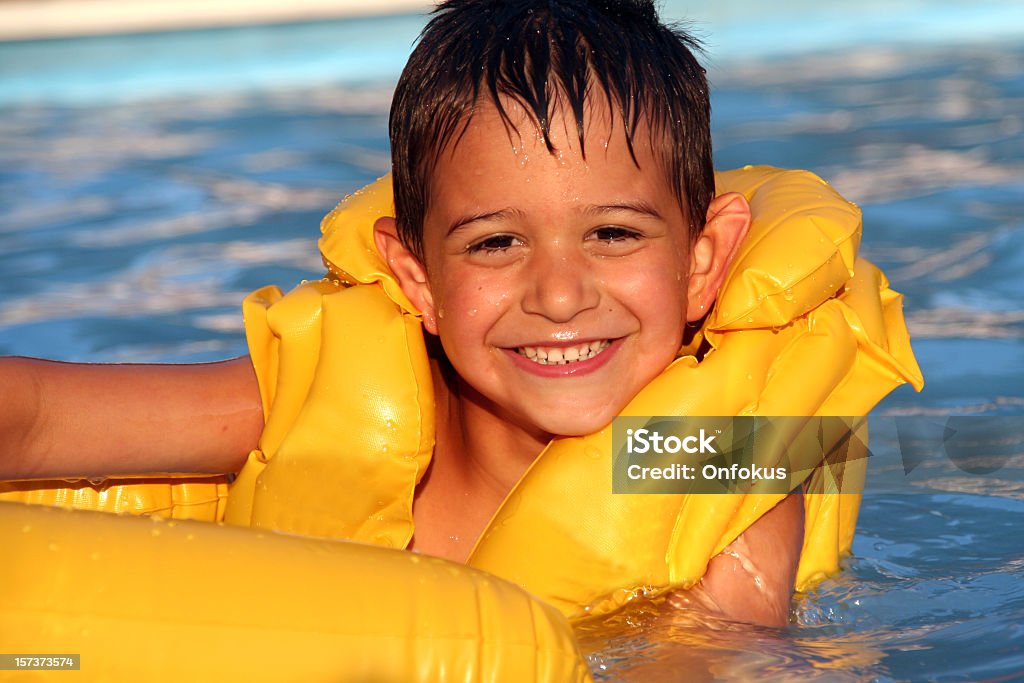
(478, 457)
(483, 446)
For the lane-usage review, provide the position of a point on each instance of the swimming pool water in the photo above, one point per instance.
(131, 227)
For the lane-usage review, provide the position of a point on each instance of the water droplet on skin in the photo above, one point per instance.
(440, 313)
(472, 312)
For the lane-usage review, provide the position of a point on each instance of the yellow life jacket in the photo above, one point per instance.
(802, 326)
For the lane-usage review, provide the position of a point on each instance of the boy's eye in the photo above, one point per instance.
(494, 243)
(614, 233)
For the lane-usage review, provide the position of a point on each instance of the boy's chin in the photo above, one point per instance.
(572, 425)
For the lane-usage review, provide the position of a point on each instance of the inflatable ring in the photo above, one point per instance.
(155, 599)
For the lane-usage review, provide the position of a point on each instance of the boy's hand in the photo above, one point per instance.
(752, 579)
(61, 420)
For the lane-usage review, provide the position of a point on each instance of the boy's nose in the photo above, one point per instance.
(560, 286)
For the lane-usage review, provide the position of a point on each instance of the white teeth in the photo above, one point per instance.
(563, 355)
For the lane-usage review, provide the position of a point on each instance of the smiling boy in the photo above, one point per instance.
(558, 285)
(557, 229)
(556, 239)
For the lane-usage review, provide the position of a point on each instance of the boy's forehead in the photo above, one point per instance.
(521, 127)
(511, 132)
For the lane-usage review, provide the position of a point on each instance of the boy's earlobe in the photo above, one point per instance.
(714, 249)
(407, 269)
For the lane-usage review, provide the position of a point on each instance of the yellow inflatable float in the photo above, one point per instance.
(163, 600)
(802, 327)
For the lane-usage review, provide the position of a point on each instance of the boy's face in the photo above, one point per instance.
(557, 284)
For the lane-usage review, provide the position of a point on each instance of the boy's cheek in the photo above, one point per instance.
(465, 292)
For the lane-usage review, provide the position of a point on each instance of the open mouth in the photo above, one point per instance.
(563, 355)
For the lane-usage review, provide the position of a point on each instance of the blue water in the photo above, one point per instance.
(148, 182)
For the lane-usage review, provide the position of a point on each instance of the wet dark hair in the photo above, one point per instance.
(549, 54)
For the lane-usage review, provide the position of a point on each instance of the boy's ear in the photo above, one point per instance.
(714, 250)
(407, 268)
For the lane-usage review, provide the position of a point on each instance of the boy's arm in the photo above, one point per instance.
(752, 579)
(75, 420)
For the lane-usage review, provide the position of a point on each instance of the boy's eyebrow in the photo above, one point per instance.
(637, 206)
(501, 214)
